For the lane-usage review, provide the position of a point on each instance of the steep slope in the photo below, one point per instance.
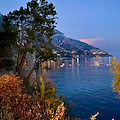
(67, 47)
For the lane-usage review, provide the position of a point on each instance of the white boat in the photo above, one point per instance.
(91, 65)
(62, 65)
(108, 64)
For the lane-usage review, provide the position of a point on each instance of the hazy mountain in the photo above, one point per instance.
(67, 47)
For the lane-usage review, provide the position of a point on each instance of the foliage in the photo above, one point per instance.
(5, 114)
(6, 63)
(36, 23)
(13, 96)
(94, 116)
(25, 50)
(48, 95)
(59, 114)
(8, 34)
(115, 70)
(17, 104)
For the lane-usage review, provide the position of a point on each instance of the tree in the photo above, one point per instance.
(36, 23)
(8, 35)
(8, 39)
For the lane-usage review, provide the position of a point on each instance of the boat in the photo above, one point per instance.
(91, 65)
(62, 65)
(108, 64)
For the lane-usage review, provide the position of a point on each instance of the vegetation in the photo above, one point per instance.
(8, 38)
(8, 35)
(115, 69)
(6, 63)
(36, 24)
(24, 28)
(94, 116)
(17, 104)
(48, 95)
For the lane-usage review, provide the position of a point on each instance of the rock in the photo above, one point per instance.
(30, 60)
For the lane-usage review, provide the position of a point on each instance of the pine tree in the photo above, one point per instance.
(8, 35)
(37, 23)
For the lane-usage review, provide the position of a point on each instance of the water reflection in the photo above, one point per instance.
(88, 86)
(72, 64)
(78, 60)
(86, 62)
(78, 70)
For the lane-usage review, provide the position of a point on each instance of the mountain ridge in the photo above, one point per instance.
(74, 47)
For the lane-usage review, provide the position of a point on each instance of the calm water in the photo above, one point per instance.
(88, 89)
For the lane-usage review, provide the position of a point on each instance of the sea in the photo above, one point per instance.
(86, 87)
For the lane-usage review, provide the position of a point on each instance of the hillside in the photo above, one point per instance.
(68, 47)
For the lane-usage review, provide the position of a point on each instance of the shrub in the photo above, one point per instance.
(13, 96)
(115, 69)
(48, 95)
(17, 104)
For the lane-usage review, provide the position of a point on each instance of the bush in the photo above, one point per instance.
(48, 95)
(115, 69)
(17, 104)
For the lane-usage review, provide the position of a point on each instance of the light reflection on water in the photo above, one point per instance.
(87, 88)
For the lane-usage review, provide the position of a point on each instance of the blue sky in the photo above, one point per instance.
(96, 22)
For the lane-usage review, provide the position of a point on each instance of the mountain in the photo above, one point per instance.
(68, 47)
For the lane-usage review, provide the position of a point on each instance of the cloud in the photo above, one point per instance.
(92, 41)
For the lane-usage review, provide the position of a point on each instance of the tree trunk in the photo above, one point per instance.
(21, 64)
(19, 46)
(18, 61)
(32, 70)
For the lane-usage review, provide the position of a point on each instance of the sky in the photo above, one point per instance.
(96, 22)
